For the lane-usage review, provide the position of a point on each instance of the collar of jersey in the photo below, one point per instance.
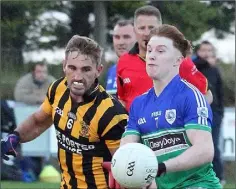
(135, 51)
(169, 89)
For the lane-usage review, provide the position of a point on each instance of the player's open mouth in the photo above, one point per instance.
(78, 85)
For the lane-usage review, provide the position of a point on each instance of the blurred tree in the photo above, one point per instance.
(79, 15)
(21, 29)
(194, 18)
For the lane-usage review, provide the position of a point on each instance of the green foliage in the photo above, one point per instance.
(228, 76)
(21, 17)
(79, 13)
(194, 18)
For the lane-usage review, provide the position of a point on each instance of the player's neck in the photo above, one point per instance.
(76, 98)
(160, 84)
(142, 52)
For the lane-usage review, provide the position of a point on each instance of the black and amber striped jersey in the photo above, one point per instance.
(86, 132)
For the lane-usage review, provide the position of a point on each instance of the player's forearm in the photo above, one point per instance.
(129, 139)
(31, 128)
(195, 156)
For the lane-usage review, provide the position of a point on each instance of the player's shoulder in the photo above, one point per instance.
(124, 59)
(142, 99)
(59, 82)
(189, 91)
(57, 86)
(187, 64)
(111, 101)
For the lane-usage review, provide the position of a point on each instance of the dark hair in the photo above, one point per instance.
(171, 32)
(148, 10)
(85, 46)
(205, 42)
(33, 67)
(123, 23)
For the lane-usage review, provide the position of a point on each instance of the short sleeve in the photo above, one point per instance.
(112, 125)
(190, 73)
(132, 124)
(197, 112)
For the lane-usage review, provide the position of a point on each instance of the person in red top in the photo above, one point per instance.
(132, 79)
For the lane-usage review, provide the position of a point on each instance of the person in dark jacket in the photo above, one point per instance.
(212, 73)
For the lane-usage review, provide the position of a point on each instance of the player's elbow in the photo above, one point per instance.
(209, 96)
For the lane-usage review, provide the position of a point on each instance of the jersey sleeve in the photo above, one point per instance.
(197, 112)
(112, 125)
(132, 124)
(46, 106)
(190, 73)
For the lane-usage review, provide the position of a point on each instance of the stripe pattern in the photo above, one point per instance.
(85, 132)
(201, 103)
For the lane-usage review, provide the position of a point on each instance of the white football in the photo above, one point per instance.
(134, 165)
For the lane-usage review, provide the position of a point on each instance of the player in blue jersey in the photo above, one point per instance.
(173, 118)
(123, 39)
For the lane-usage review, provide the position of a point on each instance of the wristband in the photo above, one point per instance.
(161, 169)
(16, 133)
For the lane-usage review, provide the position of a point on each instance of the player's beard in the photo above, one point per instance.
(85, 90)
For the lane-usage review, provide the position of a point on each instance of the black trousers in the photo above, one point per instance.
(216, 133)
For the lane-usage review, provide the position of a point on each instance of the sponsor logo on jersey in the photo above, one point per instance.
(170, 116)
(156, 114)
(59, 111)
(167, 143)
(126, 80)
(71, 145)
(141, 121)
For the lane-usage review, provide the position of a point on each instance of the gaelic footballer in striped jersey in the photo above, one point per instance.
(88, 122)
(173, 118)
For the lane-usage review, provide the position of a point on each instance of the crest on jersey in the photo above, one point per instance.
(84, 132)
(202, 112)
(170, 116)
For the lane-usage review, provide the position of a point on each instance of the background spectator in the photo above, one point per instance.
(204, 53)
(123, 40)
(32, 87)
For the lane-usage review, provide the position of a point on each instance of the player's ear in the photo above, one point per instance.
(178, 61)
(99, 70)
(64, 65)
